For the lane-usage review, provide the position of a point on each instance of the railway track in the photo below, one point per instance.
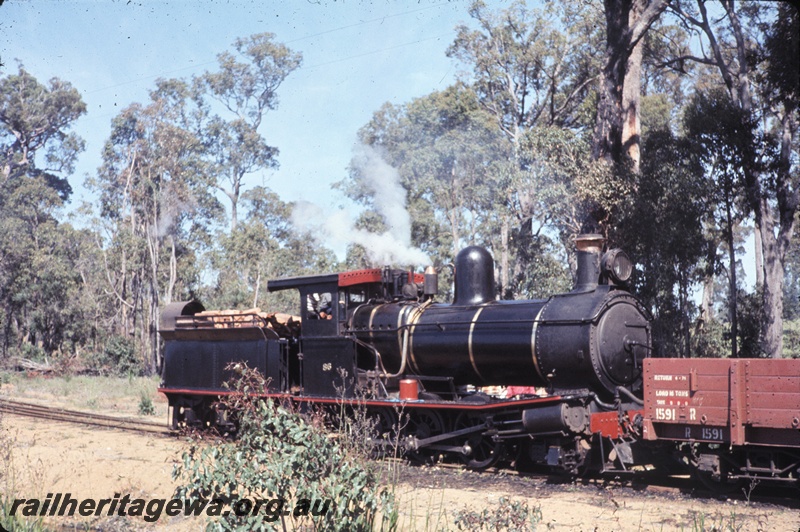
(441, 474)
(83, 418)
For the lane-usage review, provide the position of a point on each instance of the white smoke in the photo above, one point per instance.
(335, 228)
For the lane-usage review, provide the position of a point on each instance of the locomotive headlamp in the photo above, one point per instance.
(617, 265)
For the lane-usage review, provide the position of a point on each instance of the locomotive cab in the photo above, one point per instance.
(329, 361)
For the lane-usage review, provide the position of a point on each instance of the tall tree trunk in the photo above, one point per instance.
(706, 304)
(732, 294)
(683, 289)
(759, 253)
(776, 248)
(151, 323)
(631, 95)
(173, 271)
(504, 255)
(772, 320)
(617, 126)
(257, 288)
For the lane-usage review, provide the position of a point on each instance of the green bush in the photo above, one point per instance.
(280, 454)
(9, 487)
(146, 407)
(118, 358)
(14, 523)
(513, 516)
(791, 339)
(32, 352)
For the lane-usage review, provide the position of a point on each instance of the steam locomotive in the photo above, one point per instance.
(581, 391)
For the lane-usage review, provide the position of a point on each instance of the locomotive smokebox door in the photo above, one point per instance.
(622, 340)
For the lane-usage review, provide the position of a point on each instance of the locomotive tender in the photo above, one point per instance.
(378, 338)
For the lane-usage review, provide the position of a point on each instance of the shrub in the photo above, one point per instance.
(10, 485)
(146, 407)
(513, 516)
(118, 358)
(280, 454)
(791, 338)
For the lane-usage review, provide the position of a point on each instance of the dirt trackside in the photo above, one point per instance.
(54, 457)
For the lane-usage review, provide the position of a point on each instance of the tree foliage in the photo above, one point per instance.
(39, 281)
(246, 86)
(153, 195)
(34, 129)
(731, 44)
(662, 227)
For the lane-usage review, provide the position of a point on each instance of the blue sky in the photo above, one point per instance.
(357, 55)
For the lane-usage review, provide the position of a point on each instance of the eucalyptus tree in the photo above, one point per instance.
(38, 282)
(40, 285)
(246, 87)
(725, 148)
(265, 245)
(35, 120)
(617, 129)
(154, 190)
(446, 153)
(532, 69)
(747, 46)
(661, 225)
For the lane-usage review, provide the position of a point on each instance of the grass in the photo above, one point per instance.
(17, 478)
(114, 395)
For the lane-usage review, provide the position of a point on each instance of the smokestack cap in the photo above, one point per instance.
(591, 242)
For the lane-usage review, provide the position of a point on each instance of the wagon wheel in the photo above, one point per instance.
(720, 484)
(196, 415)
(484, 451)
(208, 415)
(423, 424)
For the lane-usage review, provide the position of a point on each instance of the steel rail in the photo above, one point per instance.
(84, 418)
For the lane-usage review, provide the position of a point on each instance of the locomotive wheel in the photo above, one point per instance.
(193, 414)
(384, 431)
(423, 424)
(485, 452)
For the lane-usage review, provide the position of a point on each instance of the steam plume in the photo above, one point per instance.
(336, 229)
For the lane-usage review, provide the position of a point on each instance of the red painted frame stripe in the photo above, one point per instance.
(373, 402)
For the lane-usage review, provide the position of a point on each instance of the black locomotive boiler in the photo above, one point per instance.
(593, 337)
(379, 338)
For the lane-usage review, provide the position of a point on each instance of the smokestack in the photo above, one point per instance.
(590, 249)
